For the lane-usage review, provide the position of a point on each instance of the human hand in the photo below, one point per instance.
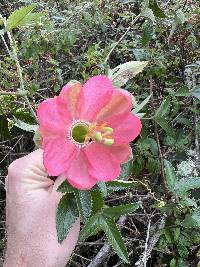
(31, 203)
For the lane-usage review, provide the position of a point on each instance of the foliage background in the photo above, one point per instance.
(71, 42)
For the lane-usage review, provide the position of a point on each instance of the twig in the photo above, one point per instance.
(122, 37)
(151, 242)
(157, 139)
(104, 251)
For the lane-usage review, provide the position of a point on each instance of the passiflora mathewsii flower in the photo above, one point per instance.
(86, 131)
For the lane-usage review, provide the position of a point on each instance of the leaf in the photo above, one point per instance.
(120, 210)
(126, 170)
(65, 187)
(97, 201)
(148, 13)
(124, 72)
(196, 92)
(122, 185)
(25, 126)
(170, 175)
(23, 16)
(192, 220)
(114, 237)
(92, 224)
(1, 22)
(66, 215)
(164, 107)
(4, 129)
(164, 125)
(185, 185)
(141, 105)
(158, 12)
(103, 188)
(84, 202)
(148, 31)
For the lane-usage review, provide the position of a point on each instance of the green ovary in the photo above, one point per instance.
(79, 133)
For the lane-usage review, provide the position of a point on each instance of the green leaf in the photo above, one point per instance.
(22, 17)
(25, 126)
(126, 170)
(97, 201)
(164, 107)
(170, 175)
(185, 185)
(148, 13)
(164, 125)
(65, 187)
(84, 202)
(192, 220)
(141, 105)
(91, 226)
(114, 237)
(124, 72)
(122, 185)
(120, 210)
(1, 22)
(148, 31)
(67, 213)
(158, 12)
(196, 92)
(4, 130)
(103, 188)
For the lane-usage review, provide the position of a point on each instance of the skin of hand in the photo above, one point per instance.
(31, 203)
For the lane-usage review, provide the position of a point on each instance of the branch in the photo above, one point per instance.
(104, 251)
(151, 242)
(157, 139)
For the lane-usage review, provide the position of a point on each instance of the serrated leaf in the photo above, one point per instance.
(103, 188)
(25, 126)
(119, 210)
(65, 187)
(165, 126)
(158, 12)
(192, 220)
(22, 16)
(185, 185)
(66, 215)
(114, 237)
(164, 107)
(148, 13)
(196, 92)
(141, 105)
(148, 31)
(122, 185)
(126, 170)
(170, 175)
(84, 202)
(124, 72)
(97, 201)
(92, 224)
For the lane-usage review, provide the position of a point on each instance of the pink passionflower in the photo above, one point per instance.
(86, 131)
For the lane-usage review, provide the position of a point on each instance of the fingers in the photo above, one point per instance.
(29, 171)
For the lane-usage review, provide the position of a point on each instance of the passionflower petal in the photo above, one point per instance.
(86, 131)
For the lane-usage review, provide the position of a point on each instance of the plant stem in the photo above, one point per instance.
(19, 71)
(122, 37)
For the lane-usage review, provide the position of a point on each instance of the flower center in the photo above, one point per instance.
(79, 132)
(82, 133)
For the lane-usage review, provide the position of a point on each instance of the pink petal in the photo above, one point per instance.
(121, 102)
(102, 164)
(121, 153)
(68, 98)
(58, 155)
(126, 128)
(94, 95)
(78, 175)
(51, 122)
